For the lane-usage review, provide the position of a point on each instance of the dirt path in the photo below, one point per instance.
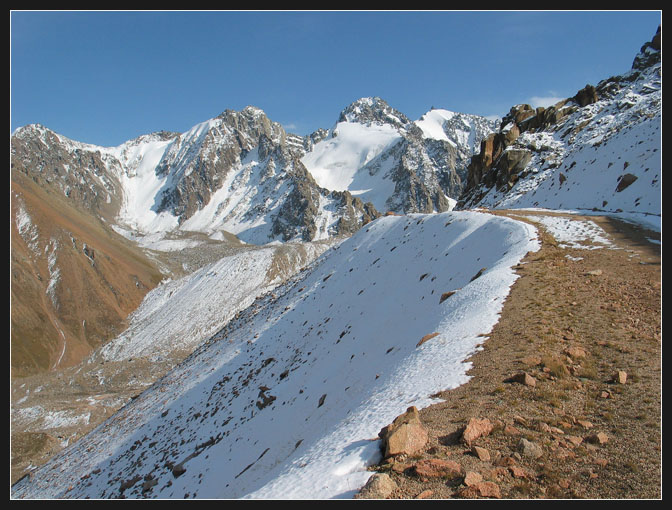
(571, 324)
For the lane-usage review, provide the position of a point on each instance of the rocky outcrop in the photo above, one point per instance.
(77, 172)
(650, 53)
(504, 155)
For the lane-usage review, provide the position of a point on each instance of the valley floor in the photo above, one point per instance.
(573, 319)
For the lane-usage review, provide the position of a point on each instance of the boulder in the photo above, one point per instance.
(405, 435)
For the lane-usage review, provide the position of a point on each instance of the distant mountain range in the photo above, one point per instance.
(239, 173)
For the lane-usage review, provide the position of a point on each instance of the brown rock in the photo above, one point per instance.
(599, 438)
(379, 486)
(587, 95)
(437, 468)
(620, 377)
(585, 424)
(481, 453)
(574, 440)
(425, 338)
(496, 473)
(405, 435)
(510, 430)
(624, 181)
(472, 478)
(525, 378)
(519, 472)
(483, 490)
(476, 427)
(575, 352)
(445, 296)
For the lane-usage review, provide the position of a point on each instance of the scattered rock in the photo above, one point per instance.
(479, 274)
(575, 352)
(482, 490)
(437, 468)
(624, 181)
(405, 435)
(425, 338)
(179, 470)
(445, 296)
(505, 462)
(529, 449)
(620, 377)
(379, 486)
(481, 453)
(524, 378)
(519, 472)
(599, 438)
(472, 478)
(476, 427)
(510, 430)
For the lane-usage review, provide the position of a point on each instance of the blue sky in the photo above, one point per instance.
(106, 77)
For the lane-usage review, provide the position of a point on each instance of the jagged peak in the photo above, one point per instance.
(649, 54)
(373, 110)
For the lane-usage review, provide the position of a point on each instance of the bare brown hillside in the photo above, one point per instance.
(73, 281)
(573, 428)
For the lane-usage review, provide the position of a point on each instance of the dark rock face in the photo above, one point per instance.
(650, 53)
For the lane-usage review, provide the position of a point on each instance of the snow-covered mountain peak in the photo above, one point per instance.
(373, 110)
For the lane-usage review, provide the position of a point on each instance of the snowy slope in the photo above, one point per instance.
(338, 162)
(462, 131)
(285, 400)
(380, 156)
(178, 315)
(606, 157)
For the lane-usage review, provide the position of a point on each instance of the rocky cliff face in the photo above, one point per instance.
(535, 142)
